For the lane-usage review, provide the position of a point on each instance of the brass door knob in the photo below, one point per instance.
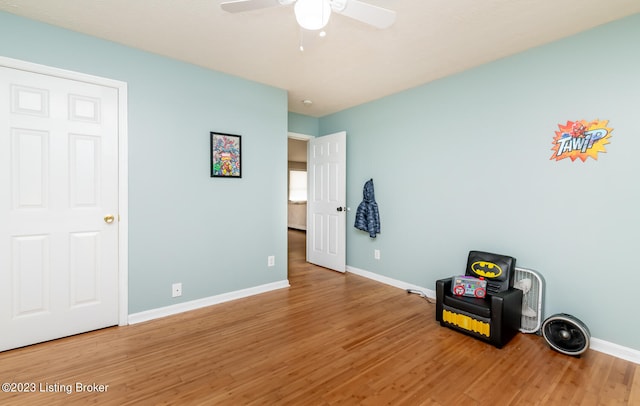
(109, 218)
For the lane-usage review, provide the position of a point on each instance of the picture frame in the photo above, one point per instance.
(226, 154)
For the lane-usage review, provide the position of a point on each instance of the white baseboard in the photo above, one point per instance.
(204, 302)
(596, 344)
(615, 350)
(393, 282)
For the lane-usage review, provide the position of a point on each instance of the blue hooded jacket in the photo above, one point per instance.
(367, 215)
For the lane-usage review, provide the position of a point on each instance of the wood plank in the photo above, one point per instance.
(329, 339)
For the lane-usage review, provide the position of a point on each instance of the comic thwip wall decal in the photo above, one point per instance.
(581, 139)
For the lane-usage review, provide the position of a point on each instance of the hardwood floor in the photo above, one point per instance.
(328, 339)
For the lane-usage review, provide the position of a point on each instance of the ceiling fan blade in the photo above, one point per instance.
(238, 6)
(367, 13)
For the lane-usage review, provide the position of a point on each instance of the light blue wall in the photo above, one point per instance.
(463, 163)
(303, 124)
(213, 235)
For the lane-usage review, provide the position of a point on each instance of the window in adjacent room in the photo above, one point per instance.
(297, 186)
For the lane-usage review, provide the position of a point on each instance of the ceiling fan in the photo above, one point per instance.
(314, 14)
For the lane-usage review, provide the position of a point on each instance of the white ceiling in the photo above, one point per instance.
(354, 63)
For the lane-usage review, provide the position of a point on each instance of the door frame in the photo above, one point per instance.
(299, 136)
(123, 170)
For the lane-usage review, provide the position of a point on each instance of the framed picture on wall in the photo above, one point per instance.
(225, 155)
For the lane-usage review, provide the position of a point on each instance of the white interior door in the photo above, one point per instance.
(58, 187)
(326, 201)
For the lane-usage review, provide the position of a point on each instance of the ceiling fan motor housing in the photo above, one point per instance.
(566, 334)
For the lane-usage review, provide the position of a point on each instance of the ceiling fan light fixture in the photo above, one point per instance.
(312, 14)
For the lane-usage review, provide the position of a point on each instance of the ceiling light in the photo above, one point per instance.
(307, 102)
(312, 14)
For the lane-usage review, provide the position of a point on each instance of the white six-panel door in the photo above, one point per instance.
(326, 201)
(58, 187)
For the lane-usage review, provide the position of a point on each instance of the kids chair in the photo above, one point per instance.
(494, 318)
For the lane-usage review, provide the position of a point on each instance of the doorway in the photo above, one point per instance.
(296, 198)
(326, 209)
(297, 184)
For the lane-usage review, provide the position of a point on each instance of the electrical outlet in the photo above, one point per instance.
(176, 290)
(376, 254)
(271, 260)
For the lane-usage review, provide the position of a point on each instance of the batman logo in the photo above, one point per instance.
(486, 269)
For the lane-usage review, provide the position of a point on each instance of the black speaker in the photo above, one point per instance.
(566, 334)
